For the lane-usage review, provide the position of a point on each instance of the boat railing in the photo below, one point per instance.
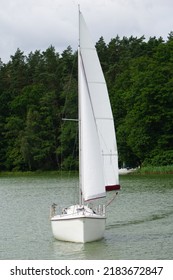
(99, 209)
(53, 210)
(56, 210)
(91, 210)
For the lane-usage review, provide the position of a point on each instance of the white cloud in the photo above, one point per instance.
(36, 24)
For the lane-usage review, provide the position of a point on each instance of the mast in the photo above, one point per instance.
(79, 115)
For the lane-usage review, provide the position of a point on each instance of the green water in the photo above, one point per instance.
(139, 221)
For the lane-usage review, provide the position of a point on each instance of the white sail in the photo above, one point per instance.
(91, 165)
(101, 108)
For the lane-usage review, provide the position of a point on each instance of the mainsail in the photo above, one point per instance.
(99, 158)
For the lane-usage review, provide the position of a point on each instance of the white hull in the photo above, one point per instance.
(79, 227)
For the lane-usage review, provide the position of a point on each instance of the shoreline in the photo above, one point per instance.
(160, 170)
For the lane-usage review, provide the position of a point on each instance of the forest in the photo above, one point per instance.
(38, 90)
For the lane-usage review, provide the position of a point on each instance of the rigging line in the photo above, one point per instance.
(63, 113)
(73, 120)
(68, 86)
(109, 202)
(74, 151)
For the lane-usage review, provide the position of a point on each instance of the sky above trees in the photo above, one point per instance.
(31, 25)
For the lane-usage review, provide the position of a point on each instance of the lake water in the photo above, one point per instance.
(139, 221)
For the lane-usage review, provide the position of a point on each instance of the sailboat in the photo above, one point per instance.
(98, 156)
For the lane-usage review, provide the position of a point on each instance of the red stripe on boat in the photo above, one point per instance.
(112, 188)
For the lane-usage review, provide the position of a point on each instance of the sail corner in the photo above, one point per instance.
(113, 188)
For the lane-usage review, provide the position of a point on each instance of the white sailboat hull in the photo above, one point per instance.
(98, 157)
(78, 227)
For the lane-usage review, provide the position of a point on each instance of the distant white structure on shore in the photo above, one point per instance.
(123, 171)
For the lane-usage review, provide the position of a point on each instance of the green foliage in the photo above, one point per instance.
(38, 90)
(159, 158)
(150, 169)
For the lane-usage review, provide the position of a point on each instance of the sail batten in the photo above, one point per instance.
(91, 49)
(92, 82)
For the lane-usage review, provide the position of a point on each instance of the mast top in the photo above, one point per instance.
(79, 12)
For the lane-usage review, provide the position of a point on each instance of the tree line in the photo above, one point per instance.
(38, 90)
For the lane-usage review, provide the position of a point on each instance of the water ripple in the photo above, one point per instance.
(150, 218)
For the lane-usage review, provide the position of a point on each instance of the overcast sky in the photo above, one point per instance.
(36, 24)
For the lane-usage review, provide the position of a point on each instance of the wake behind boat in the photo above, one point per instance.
(98, 156)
